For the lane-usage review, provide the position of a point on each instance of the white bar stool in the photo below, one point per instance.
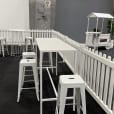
(3, 46)
(29, 55)
(32, 55)
(29, 43)
(23, 64)
(70, 81)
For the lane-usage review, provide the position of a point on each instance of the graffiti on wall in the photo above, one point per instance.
(45, 14)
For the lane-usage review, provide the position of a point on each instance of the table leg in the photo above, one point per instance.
(41, 90)
(74, 91)
(74, 100)
(36, 51)
(56, 63)
(51, 60)
(75, 58)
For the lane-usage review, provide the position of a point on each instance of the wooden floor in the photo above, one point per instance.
(9, 68)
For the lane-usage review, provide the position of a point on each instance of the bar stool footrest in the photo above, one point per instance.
(29, 88)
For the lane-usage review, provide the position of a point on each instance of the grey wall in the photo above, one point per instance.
(71, 15)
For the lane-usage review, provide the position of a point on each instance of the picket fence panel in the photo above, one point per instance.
(98, 75)
(96, 69)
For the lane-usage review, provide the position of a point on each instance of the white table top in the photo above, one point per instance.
(53, 45)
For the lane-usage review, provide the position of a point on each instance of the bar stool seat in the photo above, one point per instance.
(72, 80)
(29, 55)
(22, 67)
(32, 55)
(29, 43)
(66, 82)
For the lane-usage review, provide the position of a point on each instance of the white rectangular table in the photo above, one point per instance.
(50, 45)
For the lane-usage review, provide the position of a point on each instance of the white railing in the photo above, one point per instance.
(95, 68)
(16, 38)
(97, 71)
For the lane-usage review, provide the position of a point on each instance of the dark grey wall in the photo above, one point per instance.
(71, 15)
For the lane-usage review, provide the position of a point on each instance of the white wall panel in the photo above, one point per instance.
(14, 14)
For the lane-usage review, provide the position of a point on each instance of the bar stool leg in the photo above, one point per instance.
(11, 50)
(58, 101)
(3, 50)
(20, 82)
(41, 86)
(23, 73)
(26, 45)
(31, 45)
(7, 50)
(35, 72)
(74, 99)
(6, 47)
(63, 94)
(0, 48)
(83, 99)
(78, 100)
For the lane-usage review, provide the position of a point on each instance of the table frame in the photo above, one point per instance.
(47, 68)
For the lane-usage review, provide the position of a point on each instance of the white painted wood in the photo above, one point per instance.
(111, 87)
(99, 101)
(98, 75)
(91, 72)
(88, 69)
(106, 84)
(99, 58)
(102, 78)
(82, 64)
(17, 37)
(85, 69)
(79, 63)
(95, 71)
(54, 45)
(87, 64)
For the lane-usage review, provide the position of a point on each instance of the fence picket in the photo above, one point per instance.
(102, 78)
(91, 69)
(95, 72)
(79, 63)
(98, 75)
(83, 63)
(105, 83)
(88, 70)
(111, 87)
(86, 64)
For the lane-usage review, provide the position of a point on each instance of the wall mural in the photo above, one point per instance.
(45, 14)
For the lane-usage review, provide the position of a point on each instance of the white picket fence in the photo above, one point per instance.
(16, 38)
(95, 68)
(97, 71)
